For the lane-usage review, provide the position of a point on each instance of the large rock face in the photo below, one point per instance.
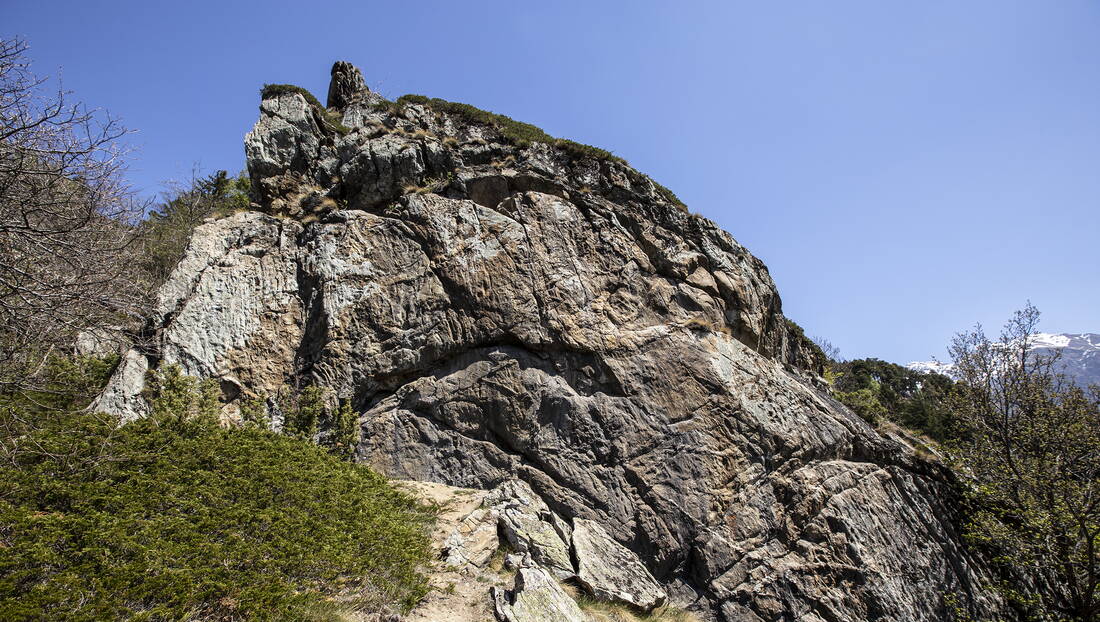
(499, 311)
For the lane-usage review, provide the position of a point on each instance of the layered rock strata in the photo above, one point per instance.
(498, 309)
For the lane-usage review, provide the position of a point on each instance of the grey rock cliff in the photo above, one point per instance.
(497, 311)
(346, 85)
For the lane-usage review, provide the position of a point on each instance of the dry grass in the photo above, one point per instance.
(415, 189)
(503, 163)
(702, 323)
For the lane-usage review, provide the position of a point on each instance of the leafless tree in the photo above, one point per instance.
(67, 221)
(828, 348)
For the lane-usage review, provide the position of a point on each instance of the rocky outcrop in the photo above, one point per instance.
(536, 597)
(499, 309)
(610, 571)
(469, 585)
(529, 527)
(345, 86)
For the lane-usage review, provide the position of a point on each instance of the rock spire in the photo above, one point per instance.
(346, 84)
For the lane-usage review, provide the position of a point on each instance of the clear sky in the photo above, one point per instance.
(905, 169)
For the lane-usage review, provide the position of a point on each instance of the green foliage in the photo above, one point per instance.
(865, 403)
(329, 117)
(519, 133)
(254, 412)
(1030, 448)
(270, 91)
(311, 407)
(345, 429)
(302, 411)
(581, 150)
(876, 389)
(167, 229)
(64, 383)
(173, 517)
(171, 393)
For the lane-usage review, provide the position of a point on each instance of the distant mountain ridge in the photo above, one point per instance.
(1080, 356)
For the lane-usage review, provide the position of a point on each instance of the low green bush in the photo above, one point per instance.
(863, 402)
(519, 133)
(915, 400)
(274, 90)
(63, 383)
(174, 517)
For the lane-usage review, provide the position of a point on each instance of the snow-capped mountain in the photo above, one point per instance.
(1080, 356)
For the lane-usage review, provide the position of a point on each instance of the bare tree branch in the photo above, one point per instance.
(67, 221)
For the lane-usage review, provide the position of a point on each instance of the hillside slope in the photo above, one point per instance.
(496, 304)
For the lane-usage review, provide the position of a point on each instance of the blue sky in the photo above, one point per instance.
(905, 169)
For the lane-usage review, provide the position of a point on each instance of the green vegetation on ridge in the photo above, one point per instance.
(175, 517)
(519, 133)
(331, 118)
(875, 390)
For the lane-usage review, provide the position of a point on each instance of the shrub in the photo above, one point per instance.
(173, 517)
(915, 400)
(310, 409)
(64, 383)
(864, 403)
(166, 231)
(274, 90)
(171, 393)
(517, 132)
(345, 429)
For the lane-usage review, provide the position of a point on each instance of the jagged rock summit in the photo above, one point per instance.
(497, 304)
(346, 85)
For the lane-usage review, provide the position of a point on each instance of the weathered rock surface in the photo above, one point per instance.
(610, 571)
(528, 524)
(536, 597)
(499, 311)
(346, 85)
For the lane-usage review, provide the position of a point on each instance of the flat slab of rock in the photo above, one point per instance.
(536, 597)
(528, 524)
(610, 571)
